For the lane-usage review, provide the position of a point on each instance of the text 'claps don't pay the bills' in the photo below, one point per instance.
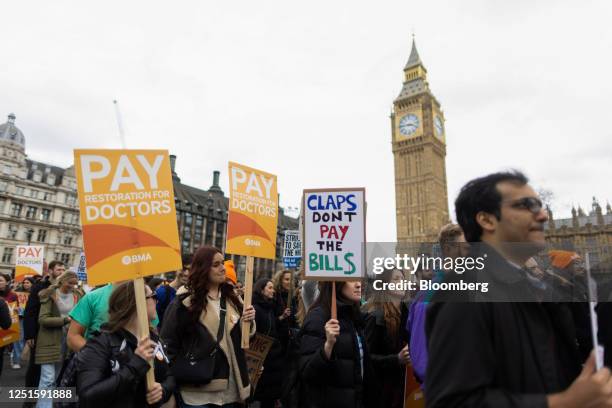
(334, 233)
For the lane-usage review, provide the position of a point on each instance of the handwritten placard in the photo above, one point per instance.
(259, 347)
(334, 234)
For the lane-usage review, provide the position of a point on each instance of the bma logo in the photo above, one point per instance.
(252, 242)
(126, 260)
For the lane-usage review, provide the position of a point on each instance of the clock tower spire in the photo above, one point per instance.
(419, 152)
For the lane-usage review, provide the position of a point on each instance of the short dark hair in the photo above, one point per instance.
(154, 282)
(481, 194)
(53, 264)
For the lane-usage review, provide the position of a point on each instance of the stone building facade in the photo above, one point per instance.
(38, 203)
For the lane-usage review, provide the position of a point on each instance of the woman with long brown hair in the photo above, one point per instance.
(112, 367)
(202, 331)
(387, 339)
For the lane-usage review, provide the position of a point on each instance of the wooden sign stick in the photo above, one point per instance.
(290, 293)
(334, 306)
(248, 294)
(143, 321)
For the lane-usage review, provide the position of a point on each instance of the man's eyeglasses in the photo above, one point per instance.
(532, 204)
(152, 296)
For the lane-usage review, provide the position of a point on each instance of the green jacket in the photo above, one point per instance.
(51, 323)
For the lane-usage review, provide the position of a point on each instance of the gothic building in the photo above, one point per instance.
(419, 152)
(584, 233)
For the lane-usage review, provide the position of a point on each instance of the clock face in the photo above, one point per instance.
(408, 124)
(439, 126)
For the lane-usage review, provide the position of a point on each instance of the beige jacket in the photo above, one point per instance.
(218, 391)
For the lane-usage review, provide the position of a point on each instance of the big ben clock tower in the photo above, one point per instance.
(419, 152)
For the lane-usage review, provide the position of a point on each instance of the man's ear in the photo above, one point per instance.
(488, 222)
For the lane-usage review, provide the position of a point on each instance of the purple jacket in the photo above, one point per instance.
(415, 326)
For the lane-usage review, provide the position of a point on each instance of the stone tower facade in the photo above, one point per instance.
(419, 152)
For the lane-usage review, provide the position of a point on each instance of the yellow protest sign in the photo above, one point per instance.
(253, 212)
(11, 334)
(29, 261)
(128, 215)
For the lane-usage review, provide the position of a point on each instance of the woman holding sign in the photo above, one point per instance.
(387, 340)
(203, 336)
(112, 367)
(285, 307)
(269, 385)
(334, 361)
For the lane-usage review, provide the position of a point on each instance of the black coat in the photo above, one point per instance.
(503, 354)
(270, 383)
(604, 316)
(383, 350)
(32, 310)
(109, 374)
(5, 315)
(287, 328)
(337, 382)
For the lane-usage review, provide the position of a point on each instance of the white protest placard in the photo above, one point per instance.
(292, 249)
(29, 261)
(334, 234)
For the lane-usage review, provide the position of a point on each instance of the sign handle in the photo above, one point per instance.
(334, 307)
(143, 321)
(248, 294)
(290, 293)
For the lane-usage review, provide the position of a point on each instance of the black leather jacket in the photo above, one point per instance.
(109, 374)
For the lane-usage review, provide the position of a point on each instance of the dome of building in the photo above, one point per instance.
(10, 133)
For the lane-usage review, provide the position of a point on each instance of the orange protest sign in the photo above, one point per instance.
(128, 215)
(413, 395)
(29, 261)
(253, 212)
(11, 334)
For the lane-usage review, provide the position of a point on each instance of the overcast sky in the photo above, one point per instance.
(304, 90)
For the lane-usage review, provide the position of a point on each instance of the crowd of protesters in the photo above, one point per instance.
(491, 351)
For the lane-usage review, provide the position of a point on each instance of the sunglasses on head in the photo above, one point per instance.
(532, 204)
